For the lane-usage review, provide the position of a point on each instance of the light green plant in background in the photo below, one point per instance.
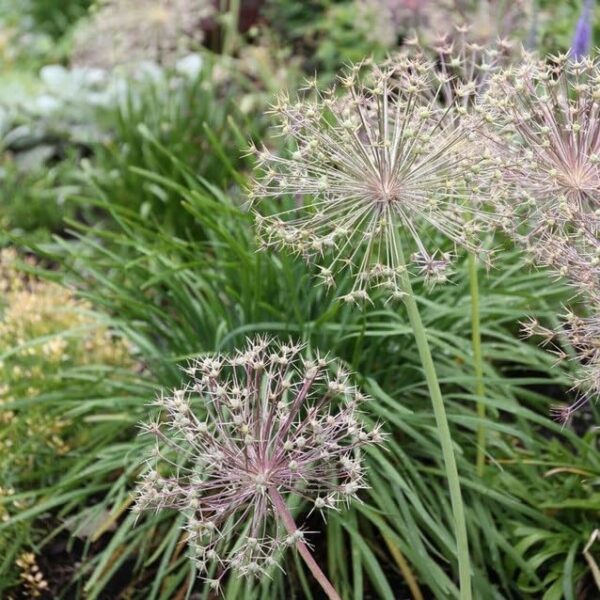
(160, 31)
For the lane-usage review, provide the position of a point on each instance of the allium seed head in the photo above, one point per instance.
(548, 130)
(291, 433)
(464, 67)
(572, 255)
(378, 164)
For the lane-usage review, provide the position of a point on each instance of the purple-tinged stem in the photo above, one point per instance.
(286, 516)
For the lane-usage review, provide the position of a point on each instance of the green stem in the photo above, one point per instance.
(477, 364)
(443, 428)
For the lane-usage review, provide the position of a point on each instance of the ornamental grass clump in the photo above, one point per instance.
(247, 432)
(378, 169)
(49, 340)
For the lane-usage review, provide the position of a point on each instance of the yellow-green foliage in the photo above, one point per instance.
(44, 332)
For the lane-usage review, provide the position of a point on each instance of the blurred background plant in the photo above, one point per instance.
(48, 339)
(556, 21)
(54, 17)
(159, 31)
(127, 185)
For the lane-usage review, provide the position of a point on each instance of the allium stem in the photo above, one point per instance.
(439, 411)
(287, 519)
(477, 363)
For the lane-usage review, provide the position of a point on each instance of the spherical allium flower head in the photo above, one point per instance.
(378, 167)
(247, 431)
(127, 32)
(547, 117)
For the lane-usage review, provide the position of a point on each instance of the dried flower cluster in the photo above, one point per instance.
(32, 577)
(583, 335)
(127, 32)
(575, 258)
(546, 114)
(247, 431)
(373, 169)
(465, 66)
(547, 118)
(490, 20)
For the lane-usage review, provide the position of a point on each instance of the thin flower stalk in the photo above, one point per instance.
(445, 436)
(245, 434)
(477, 364)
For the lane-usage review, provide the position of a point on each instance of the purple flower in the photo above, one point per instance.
(246, 433)
(582, 39)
